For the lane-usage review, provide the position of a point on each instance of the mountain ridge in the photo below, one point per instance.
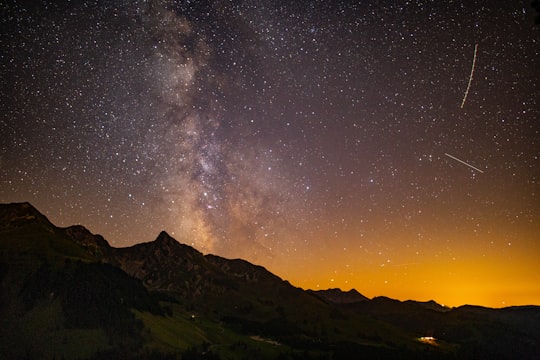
(98, 246)
(140, 298)
(15, 214)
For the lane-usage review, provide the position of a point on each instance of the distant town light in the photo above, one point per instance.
(428, 340)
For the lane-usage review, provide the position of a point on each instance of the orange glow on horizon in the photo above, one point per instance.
(505, 275)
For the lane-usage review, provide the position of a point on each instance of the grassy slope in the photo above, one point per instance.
(38, 332)
(40, 266)
(185, 330)
(42, 334)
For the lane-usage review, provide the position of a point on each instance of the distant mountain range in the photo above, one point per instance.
(66, 293)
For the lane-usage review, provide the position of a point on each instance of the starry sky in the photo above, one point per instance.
(387, 146)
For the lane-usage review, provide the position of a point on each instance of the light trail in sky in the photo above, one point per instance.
(470, 77)
(463, 162)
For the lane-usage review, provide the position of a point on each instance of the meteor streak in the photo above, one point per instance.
(463, 162)
(470, 76)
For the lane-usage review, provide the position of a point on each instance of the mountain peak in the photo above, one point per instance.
(96, 245)
(431, 305)
(338, 296)
(17, 214)
(167, 243)
(164, 237)
(23, 208)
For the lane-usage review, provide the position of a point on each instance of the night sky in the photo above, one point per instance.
(387, 146)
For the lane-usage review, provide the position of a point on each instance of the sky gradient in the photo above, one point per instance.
(387, 146)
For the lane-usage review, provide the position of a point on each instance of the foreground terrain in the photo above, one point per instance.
(66, 293)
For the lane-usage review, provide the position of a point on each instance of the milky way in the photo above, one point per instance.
(311, 137)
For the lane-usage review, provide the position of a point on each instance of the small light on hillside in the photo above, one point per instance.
(428, 340)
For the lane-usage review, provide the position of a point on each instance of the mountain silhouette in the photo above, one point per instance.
(338, 296)
(66, 293)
